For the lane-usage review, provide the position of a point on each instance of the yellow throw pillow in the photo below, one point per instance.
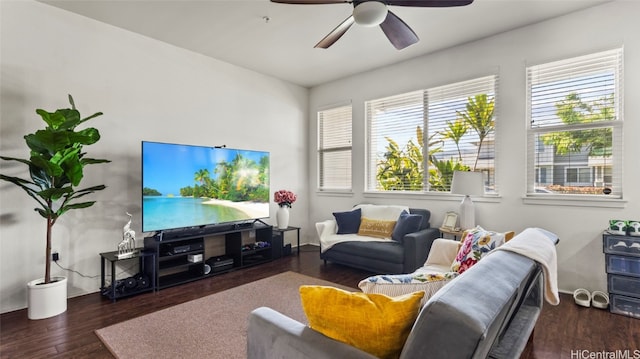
(374, 323)
(376, 228)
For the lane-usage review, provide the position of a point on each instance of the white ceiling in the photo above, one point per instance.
(237, 32)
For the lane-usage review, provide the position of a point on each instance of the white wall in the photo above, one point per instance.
(148, 90)
(580, 257)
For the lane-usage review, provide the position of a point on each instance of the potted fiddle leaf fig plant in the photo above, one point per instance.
(56, 165)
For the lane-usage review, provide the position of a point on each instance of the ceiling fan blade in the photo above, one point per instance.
(429, 3)
(311, 2)
(336, 33)
(398, 32)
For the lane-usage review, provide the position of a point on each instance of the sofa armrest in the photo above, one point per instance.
(326, 228)
(416, 248)
(274, 335)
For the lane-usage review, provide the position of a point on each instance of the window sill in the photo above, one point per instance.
(434, 196)
(574, 201)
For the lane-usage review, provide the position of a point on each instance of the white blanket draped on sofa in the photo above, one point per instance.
(327, 230)
(535, 244)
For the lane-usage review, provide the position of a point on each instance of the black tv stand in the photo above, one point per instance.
(181, 256)
(242, 225)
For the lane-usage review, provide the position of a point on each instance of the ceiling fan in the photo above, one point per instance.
(375, 12)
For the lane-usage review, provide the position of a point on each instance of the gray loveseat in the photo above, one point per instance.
(403, 255)
(488, 312)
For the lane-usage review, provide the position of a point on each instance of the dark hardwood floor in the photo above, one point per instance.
(563, 331)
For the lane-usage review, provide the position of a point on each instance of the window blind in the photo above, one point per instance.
(462, 123)
(428, 129)
(334, 148)
(575, 126)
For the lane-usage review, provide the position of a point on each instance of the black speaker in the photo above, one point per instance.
(276, 244)
(142, 281)
(130, 284)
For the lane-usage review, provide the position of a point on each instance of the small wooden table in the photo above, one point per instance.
(457, 232)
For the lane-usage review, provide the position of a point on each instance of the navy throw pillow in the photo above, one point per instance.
(348, 222)
(407, 223)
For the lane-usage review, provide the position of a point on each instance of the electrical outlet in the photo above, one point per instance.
(252, 234)
(55, 256)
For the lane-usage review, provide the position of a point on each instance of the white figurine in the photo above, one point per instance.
(128, 244)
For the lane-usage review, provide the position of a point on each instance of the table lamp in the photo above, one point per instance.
(468, 184)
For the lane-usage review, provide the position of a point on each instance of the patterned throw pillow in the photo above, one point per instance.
(376, 228)
(374, 323)
(477, 243)
(395, 285)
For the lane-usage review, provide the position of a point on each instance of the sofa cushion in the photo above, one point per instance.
(377, 228)
(348, 222)
(374, 323)
(407, 223)
(477, 243)
(388, 251)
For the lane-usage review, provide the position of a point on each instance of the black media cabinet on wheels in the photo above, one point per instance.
(188, 256)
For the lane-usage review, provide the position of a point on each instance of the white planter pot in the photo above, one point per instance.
(46, 300)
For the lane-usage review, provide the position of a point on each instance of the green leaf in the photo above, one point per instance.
(48, 142)
(73, 169)
(53, 119)
(26, 162)
(92, 161)
(26, 186)
(40, 177)
(87, 136)
(45, 212)
(64, 209)
(55, 194)
(71, 118)
(92, 116)
(43, 167)
(73, 104)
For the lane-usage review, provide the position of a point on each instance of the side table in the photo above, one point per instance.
(112, 257)
(280, 232)
(453, 232)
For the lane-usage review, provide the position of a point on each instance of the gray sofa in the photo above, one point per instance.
(488, 312)
(403, 256)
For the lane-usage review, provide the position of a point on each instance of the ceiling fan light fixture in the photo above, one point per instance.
(370, 13)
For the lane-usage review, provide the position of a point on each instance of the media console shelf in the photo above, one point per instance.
(183, 257)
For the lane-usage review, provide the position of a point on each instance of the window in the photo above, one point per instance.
(334, 148)
(440, 129)
(575, 126)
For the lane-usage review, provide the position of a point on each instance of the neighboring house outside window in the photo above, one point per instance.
(334, 148)
(416, 140)
(575, 124)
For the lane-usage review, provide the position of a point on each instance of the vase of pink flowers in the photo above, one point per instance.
(284, 199)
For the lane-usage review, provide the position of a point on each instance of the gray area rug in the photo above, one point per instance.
(214, 326)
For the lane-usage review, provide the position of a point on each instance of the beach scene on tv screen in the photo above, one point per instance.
(186, 186)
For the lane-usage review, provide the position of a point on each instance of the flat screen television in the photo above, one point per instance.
(186, 186)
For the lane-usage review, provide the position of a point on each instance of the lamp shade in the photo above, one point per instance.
(370, 13)
(467, 183)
